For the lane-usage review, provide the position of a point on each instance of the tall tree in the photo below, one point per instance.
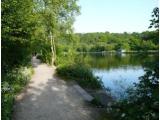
(17, 22)
(57, 18)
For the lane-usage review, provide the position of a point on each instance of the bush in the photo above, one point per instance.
(12, 83)
(81, 73)
(142, 103)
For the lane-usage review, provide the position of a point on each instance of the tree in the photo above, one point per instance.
(57, 19)
(155, 20)
(17, 24)
(30, 26)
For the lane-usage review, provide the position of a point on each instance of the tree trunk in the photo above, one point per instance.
(52, 50)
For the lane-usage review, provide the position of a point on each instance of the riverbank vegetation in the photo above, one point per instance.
(143, 102)
(30, 27)
(109, 42)
(45, 27)
(81, 73)
(12, 83)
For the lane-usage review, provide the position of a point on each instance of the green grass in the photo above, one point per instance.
(80, 73)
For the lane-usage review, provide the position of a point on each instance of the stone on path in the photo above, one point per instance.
(85, 95)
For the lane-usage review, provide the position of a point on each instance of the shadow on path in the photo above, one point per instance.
(49, 98)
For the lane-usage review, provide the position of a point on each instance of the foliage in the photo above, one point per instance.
(98, 42)
(12, 83)
(142, 103)
(55, 20)
(16, 19)
(81, 73)
(155, 20)
(27, 27)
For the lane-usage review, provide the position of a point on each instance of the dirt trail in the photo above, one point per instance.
(50, 98)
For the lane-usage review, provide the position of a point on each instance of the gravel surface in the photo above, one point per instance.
(48, 97)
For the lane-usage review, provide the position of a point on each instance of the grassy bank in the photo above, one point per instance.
(12, 83)
(81, 73)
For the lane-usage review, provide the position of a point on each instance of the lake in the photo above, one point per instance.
(118, 72)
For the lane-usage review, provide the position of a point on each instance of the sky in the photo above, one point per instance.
(115, 16)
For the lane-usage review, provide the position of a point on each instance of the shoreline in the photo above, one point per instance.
(148, 51)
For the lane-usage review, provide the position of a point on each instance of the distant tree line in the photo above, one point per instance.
(97, 42)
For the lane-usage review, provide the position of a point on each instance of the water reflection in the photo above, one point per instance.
(118, 80)
(118, 71)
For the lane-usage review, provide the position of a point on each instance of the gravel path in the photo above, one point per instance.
(49, 98)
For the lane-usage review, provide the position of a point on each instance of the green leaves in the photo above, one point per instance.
(94, 42)
(155, 19)
(26, 25)
(142, 103)
(81, 73)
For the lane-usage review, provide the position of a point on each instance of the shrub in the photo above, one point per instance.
(12, 83)
(142, 103)
(81, 73)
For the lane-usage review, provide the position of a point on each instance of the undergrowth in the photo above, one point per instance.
(12, 83)
(80, 73)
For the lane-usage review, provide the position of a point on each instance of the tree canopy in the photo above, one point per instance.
(27, 27)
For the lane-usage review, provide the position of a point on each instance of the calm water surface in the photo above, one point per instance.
(119, 72)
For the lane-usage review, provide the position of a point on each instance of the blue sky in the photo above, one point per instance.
(114, 15)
